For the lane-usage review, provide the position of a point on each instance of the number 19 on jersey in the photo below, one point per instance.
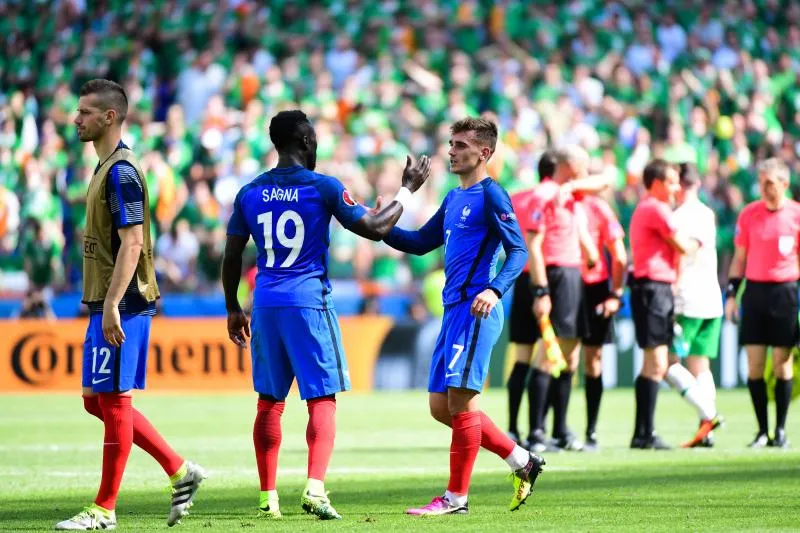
(294, 244)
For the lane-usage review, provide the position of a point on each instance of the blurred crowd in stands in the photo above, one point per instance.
(713, 83)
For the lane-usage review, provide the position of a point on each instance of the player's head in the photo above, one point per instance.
(102, 106)
(661, 179)
(689, 180)
(773, 179)
(571, 161)
(472, 143)
(547, 165)
(293, 135)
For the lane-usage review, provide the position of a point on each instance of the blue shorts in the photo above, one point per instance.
(300, 342)
(110, 369)
(464, 348)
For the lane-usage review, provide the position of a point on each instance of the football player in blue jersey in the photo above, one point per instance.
(474, 221)
(295, 331)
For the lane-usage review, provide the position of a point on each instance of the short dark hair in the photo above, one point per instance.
(656, 170)
(689, 174)
(111, 95)
(287, 128)
(547, 165)
(485, 130)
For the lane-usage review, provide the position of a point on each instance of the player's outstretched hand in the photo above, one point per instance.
(483, 303)
(238, 328)
(112, 326)
(415, 175)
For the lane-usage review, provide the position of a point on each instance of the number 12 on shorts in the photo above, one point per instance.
(105, 354)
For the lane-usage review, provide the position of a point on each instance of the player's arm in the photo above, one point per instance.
(735, 278)
(238, 235)
(619, 266)
(376, 225)
(419, 242)
(588, 248)
(500, 216)
(589, 184)
(683, 243)
(536, 263)
(738, 266)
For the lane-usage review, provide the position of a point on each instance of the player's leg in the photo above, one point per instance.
(272, 379)
(569, 323)
(539, 384)
(756, 359)
(492, 438)
(523, 334)
(593, 379)
(462, 375)
(783, 333)
(652, 306)
(684, 383)
(703, 346)
(103, 368)
(783, 367)
(754, 326)
(516, 386)
(561, 392)
(314, 344)
(599, 331)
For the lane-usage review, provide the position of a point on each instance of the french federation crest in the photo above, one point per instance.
(465, 213)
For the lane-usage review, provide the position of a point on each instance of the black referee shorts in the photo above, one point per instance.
(599, 329)
(653, 308)
(566, 293)
(522, 327)
(769, 314)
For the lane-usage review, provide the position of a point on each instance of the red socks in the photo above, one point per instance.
(493, 439)
(320, 434)
(464, 450)
(117, 442)
(145, 436)
(267, 439)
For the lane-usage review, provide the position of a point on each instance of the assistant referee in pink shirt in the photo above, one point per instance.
(766, 255)
(656, 246)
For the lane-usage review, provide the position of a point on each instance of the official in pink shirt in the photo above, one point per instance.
(766, 256)
(555, 257)
(602, 290)
(656, 246)
(523, 330)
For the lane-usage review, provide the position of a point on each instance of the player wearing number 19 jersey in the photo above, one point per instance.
(474, 220)
(295, 332)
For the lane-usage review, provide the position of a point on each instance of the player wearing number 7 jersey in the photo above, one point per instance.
(295, 332)
(473, 222)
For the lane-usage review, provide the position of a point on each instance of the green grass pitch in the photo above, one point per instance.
(390, 455)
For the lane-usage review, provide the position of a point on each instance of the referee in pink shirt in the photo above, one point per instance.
(656, 247)
(555, 258)
(603, 286)
(766, 255)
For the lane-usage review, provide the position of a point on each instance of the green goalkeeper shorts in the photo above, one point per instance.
(701, 335)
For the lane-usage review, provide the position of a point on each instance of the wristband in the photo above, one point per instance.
(614, 296)
(403, 196)
(733, 287)
(540, 290)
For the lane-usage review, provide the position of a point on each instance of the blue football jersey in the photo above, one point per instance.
(471, 224)
(288, 211)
